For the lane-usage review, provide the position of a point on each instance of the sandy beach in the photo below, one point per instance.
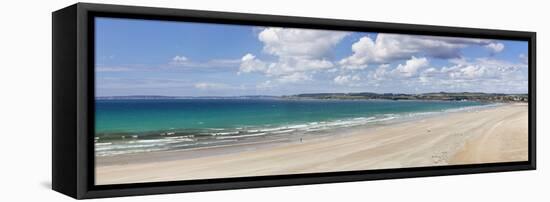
(496, 134)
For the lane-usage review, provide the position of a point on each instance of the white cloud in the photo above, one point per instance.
(411, 67)
(182, 61)
(399, 61)
(299, 43)
(474, 75)
(179, 59)
(299, 53)
(430, 70)
(347, 79)
(482, 68)
(249, 63)
(386, 48)
(295, 77)
(381, 72)
(207, 86)
(468, 72)
(424, 80)
(286, 66)
(495, 47)
(283, 67)
(362, 51)
(461, 74)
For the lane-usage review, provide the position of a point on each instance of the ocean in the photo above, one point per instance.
(144, 125)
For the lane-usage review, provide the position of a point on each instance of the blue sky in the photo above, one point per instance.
(145, 57)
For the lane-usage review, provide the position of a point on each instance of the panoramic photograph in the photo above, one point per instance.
(178, 101)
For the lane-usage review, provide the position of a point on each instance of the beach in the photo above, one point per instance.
(484, 135)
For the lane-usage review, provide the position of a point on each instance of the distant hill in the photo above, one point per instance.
(451, 96)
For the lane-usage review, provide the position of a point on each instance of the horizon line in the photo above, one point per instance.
(152, 95)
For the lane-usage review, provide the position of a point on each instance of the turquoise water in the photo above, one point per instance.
(147, 125)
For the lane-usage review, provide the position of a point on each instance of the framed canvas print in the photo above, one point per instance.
(154, 100)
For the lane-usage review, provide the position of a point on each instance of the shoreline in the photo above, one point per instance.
(459, 138)
(179, 139)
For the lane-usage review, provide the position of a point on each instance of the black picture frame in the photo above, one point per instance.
(73, 100)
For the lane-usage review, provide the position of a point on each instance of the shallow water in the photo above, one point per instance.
(129, 126)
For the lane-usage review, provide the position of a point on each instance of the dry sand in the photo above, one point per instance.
(496, 134)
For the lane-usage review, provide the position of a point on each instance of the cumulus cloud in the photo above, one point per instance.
(381, 72)
(480, 68)
(286, 66)
(178, 59)
(462, 74)
(411, 66)
(468, 72)
(363, 50)
(459, 74)
(299, 43)
(299, 53)
(386, 48)
(249, 63)
(495, 47)
(347, 79)
(481, 74)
